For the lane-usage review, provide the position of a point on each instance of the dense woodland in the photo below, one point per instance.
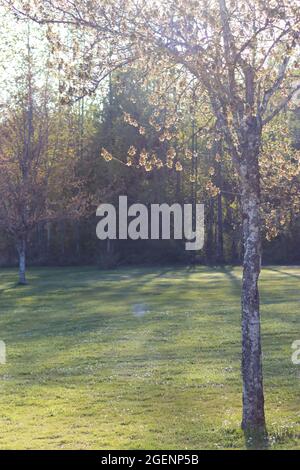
(53, 174)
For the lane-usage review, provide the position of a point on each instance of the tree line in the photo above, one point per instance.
(54, 177)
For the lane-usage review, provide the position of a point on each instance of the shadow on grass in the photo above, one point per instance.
(235, 281)
(297, 276)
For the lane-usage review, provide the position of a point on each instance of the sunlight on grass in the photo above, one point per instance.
(141, 358)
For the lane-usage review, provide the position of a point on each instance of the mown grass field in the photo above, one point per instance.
(141, 358)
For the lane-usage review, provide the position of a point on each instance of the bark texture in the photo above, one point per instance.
(253, 394)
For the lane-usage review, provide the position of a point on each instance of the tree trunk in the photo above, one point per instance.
(48, 242)
(220, 242)
(210, 233)
(63, 233)
(77, 240)
(22, 261)
(219, 183)
(253, 395)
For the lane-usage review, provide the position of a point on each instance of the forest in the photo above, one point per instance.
(69, 176)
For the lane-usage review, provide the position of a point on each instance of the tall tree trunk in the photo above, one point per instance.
(48, 242)
(21, 247)
(63, 236)
(219, 183)
(210, 232)
(77, 240)
(40, 242)
(253, 395)
(220, 242)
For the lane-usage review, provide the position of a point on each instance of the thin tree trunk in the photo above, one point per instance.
(63, 233)
(22, 261)
(210, 233)
(253, 395)
(219, 183)
(40, 244)
(48, 242)
(77, 240)
(220, 242)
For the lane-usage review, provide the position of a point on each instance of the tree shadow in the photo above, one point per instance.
(276, 270)
(235, 281)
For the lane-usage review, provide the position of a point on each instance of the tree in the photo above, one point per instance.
(240, 54)
(22, 147)
(37, 149)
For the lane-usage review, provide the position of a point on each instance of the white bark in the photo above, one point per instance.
(253, 395)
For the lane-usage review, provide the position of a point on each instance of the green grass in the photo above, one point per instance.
(141, 358)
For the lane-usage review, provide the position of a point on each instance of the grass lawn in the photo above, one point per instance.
(141, 358)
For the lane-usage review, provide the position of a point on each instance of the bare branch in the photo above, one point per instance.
(281, 106)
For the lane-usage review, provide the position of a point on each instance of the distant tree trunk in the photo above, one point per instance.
(235, 256)
(21, 247)
(253, 395)
(210, 232)
(48, 243)
(178, 185)
(220, 243)
(40, 242)
(77, 240)
(63, 233)
(219, 183)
